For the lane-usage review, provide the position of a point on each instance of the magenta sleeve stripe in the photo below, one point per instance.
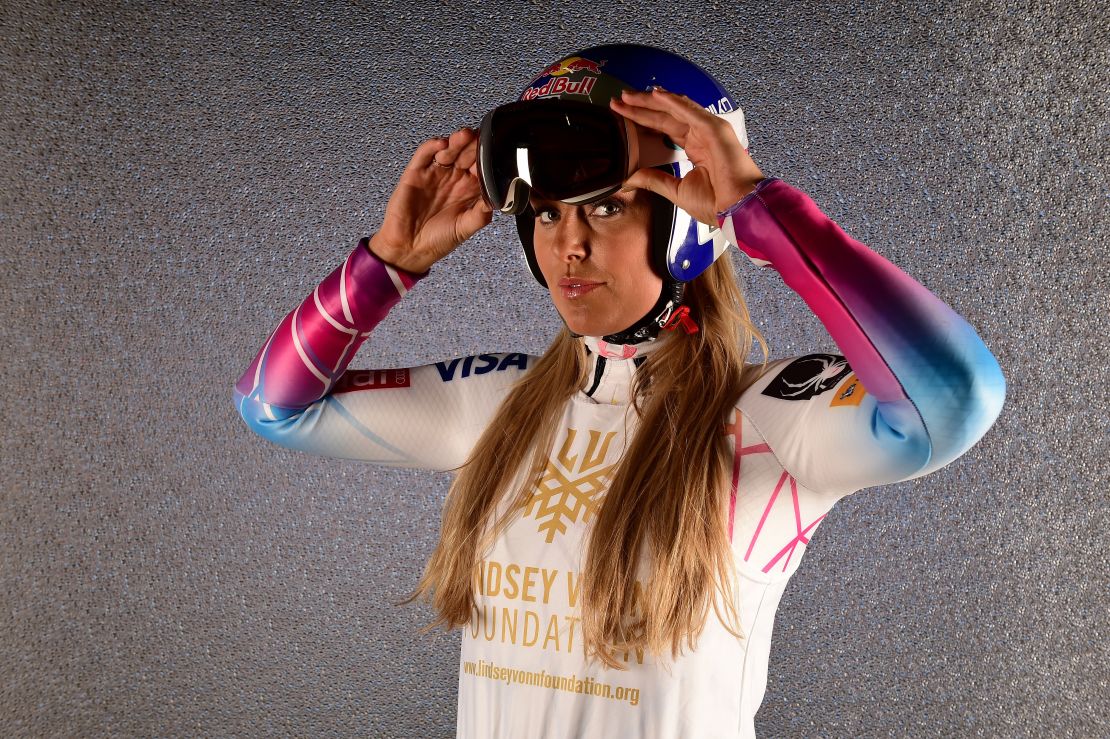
(324, 368)
(314, 343)
(902, 341)
(758, 226)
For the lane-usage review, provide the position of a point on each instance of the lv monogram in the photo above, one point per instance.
(572, 485)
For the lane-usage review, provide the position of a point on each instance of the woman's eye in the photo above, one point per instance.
(545, 215)
(608, 208)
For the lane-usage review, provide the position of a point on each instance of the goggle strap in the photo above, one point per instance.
(591, 196)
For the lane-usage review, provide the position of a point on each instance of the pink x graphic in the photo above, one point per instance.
(734, 429)
(802, 536)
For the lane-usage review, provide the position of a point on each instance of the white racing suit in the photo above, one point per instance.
(914, 388)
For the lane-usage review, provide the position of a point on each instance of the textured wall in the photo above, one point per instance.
(174, 180)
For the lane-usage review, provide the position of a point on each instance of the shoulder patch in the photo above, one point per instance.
(850, 393)
(808, 376)
(372, 380)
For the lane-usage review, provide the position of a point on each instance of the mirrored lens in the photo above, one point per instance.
(562, 149)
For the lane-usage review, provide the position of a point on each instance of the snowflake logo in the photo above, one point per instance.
(572, 486)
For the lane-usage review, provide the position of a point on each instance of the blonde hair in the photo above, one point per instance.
(666, 498)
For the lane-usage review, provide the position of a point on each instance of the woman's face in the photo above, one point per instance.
(596, 262)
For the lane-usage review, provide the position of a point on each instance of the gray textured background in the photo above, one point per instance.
(175, 179)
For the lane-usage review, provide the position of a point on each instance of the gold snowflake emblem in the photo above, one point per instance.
(572, 486)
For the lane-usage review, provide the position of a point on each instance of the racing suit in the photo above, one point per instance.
(913, 388)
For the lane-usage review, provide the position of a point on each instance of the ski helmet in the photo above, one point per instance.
(583, 83)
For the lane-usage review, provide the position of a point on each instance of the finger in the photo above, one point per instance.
(656, 120)
(456, 143)
(679, 106)
(656, 181)
(694, 119)
(656, 98)
(468, 156)
(640, 99)
(474, 219)
(422, 157)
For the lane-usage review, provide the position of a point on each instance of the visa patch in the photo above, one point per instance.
(464, 367)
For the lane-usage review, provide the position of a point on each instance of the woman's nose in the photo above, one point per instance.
(572, 239)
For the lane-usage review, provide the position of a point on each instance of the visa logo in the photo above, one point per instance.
(480, 365)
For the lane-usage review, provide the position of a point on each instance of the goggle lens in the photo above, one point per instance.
(561, 150)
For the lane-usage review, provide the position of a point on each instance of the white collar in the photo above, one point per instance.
(612, 368)
(620, 352)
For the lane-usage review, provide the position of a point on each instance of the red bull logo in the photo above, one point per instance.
(559, 82)
(571, 64)
(561, 86)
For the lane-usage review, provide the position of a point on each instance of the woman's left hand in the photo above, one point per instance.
(723, 172)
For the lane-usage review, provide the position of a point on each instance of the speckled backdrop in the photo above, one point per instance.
(175, 179)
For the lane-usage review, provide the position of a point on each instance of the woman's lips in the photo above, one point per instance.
(572, 288)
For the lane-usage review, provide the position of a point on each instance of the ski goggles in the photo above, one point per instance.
(571, 151)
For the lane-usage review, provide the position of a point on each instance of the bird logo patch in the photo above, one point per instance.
(808, 376)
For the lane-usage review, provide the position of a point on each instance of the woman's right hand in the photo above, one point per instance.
(436, 205)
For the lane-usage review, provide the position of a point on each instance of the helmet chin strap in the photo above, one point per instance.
(648, 327)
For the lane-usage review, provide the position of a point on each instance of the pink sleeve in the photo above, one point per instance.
(312, 347)
(935, 386)
(299, 392)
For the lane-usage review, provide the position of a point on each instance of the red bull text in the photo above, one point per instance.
(561, 86)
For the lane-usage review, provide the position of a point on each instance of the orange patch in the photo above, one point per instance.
(850, 392)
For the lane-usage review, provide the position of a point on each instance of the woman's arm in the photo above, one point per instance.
(928, 387)
(298, 393)
(314, 343)
(934, 386)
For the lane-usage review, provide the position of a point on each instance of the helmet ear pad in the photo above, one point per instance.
(662, 227)
(659, 238)
(526, 229)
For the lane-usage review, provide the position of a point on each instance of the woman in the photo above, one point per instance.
(628, 507)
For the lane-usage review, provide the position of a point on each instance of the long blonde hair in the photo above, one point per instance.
(666, 497)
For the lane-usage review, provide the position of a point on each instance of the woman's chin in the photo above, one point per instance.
(585, 320)
(588, 327)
